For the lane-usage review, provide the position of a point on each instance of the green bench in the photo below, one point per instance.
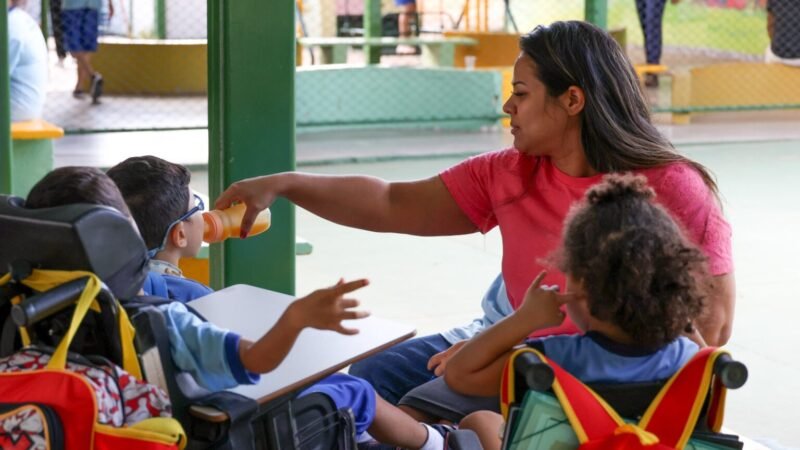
(436, 50)
(31, 155)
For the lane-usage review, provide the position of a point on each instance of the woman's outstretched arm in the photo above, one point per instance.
(422, 207)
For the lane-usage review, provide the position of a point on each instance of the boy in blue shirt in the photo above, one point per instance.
(220, 359)
(169, 218)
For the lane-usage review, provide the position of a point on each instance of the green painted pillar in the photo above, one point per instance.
(597, 13)
(161, 19)
(373, 28)
(43, 15)
(251, 66)
(5, 106)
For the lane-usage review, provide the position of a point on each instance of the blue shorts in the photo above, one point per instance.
(404, 2)
(347, 391)
(80, 29)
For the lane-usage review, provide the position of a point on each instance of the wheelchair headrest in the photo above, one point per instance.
(93, 238)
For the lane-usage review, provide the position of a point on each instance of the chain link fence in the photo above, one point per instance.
(147, 70)
(692, 55)
(152, 56)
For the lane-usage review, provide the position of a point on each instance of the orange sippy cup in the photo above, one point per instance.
(225, 223)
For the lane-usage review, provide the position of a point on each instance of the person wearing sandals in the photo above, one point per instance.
(80, 20)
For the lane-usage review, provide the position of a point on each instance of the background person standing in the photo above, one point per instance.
(783, 27)
(651, 14)
(81, 20)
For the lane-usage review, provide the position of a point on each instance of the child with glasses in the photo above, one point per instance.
(169, 218)
(220, 359)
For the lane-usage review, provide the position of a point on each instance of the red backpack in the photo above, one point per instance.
(667, 424)
(46, 403)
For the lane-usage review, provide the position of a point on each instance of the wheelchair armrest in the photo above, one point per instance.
(732, 373)
(208, 413)
(537, 374)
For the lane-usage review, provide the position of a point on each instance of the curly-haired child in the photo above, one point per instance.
(632, 288)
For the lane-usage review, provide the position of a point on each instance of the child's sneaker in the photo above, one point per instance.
(444, 430)
(97, 88)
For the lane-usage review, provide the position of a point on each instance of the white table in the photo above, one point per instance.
(251, 311)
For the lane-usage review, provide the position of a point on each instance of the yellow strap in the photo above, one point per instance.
(5, 279)
(646, 438)
(130, 362)
(509, 378)
(59, 358)
(43, 280)
(162, 430)
(700, 396)
(164, 426)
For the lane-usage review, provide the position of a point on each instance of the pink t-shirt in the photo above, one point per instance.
(528, 198)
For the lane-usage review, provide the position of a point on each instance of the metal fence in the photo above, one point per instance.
(152, 56)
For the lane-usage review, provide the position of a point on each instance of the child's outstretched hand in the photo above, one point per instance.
(544, 306)
(325, 309)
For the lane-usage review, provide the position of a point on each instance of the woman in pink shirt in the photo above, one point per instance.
(577, 112)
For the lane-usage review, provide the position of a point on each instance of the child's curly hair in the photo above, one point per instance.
(637, 268)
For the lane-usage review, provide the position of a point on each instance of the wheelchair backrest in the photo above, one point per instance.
(93, 238)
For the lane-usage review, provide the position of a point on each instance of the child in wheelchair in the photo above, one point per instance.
(168, 216)
(632, 287)
(219, 359)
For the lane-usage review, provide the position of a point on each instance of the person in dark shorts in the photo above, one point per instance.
(80, 20)
(783, 27)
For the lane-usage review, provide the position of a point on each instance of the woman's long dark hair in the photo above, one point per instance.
(616, 131)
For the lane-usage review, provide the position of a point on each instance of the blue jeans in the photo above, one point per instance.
(398, 369)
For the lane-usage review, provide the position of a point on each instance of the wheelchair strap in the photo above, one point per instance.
(668, 422)
(44, 280)
(590, 416)
(683, 397)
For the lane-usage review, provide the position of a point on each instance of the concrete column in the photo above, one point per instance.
(5, 106)
(597, 13)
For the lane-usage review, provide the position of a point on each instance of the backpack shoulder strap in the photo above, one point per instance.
(590, 416)
(673, 414)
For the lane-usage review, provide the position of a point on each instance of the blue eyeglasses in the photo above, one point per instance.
(198, 206)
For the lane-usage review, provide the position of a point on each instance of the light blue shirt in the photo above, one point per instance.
(27, 66)
(81, 4)
(593, 358)
(495, 305)
(209, 353)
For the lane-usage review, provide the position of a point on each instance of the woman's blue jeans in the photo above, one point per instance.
(398, 369)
